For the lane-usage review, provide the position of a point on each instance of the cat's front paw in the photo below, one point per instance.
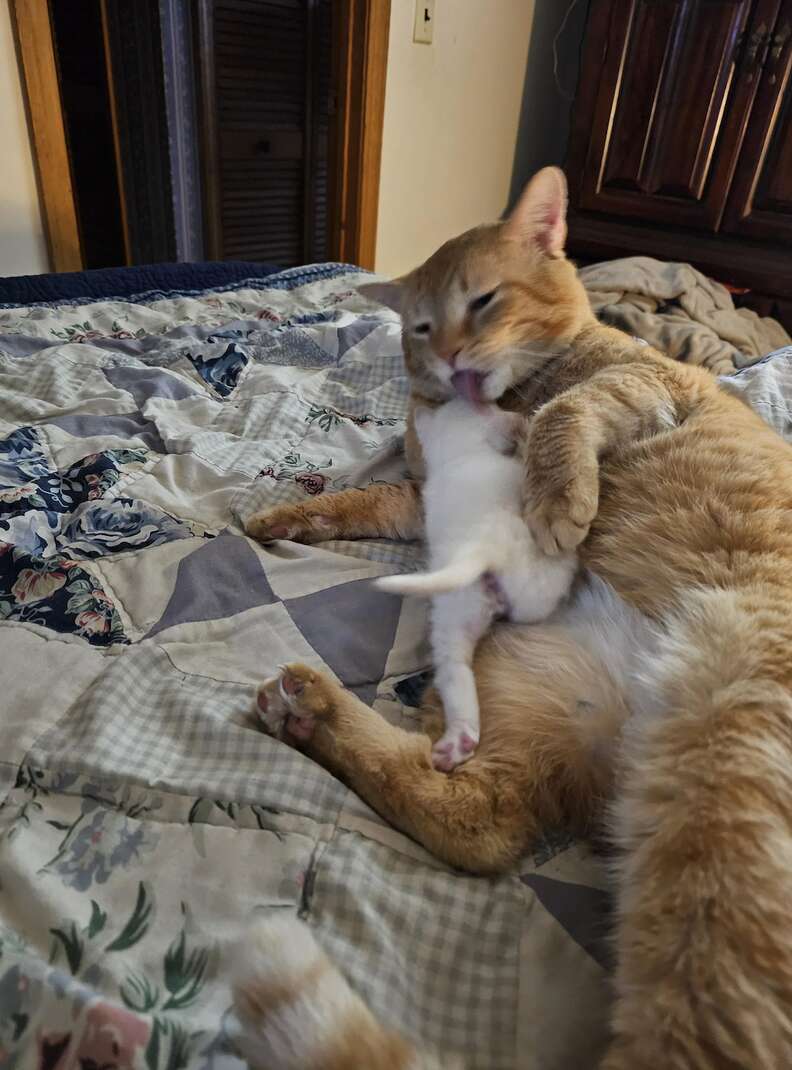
(560, 511)
(560, 524)
(297, 523)
(455, 746)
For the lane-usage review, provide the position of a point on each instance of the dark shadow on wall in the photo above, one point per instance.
(548, 96)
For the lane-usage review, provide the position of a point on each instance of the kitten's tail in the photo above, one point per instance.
(298, 1013)
(469, 566)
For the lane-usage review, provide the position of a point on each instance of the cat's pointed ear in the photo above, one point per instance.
(540, 213)
(385, 293)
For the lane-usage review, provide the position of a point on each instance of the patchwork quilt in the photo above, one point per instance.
(143, 816)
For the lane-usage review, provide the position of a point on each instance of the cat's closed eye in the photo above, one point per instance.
(482, 300)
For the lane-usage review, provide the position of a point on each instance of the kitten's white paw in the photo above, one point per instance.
(454, 747)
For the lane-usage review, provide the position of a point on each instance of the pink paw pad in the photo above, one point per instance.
(291, 685)
(300, 727)
(279, 531)
(466, 744)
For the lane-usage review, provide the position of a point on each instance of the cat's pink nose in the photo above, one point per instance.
(449, 356)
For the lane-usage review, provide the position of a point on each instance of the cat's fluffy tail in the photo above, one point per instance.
(465, 569)
(704, 948)
(298, 1013)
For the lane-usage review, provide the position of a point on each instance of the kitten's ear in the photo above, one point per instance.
(385, 293)
(540, 213)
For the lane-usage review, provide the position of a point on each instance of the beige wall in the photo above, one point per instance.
(23, 249)
(451, 114)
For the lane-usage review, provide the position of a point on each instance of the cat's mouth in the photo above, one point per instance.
(469, 385)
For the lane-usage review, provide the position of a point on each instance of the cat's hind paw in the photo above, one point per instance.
(292, 702)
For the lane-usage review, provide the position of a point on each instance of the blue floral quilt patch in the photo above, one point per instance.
(28, 482)
(221, 372)
(45, 512)
(56, 593)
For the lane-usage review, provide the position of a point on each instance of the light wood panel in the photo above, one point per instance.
(34, 35)
(362, 47)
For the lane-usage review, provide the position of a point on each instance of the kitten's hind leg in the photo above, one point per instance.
(459, 619)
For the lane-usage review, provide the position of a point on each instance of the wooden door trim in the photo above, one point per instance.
(362, 34)
(35, 41)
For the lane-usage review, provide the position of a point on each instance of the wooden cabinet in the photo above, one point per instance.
(760, 199)
(681, 142)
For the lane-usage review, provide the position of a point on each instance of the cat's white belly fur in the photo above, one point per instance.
(625, 643)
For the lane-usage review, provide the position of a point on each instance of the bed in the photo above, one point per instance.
(143, 815)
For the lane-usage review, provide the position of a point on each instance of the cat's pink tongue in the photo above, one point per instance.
(468, 385)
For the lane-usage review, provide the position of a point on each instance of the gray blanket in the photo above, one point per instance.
(681, 312)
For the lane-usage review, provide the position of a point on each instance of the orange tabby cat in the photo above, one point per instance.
(680, 500)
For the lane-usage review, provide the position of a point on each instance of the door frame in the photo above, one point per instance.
(34, 38)
(361, 53)
(360, 59)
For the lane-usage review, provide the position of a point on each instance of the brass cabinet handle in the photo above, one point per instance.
(757, 42)
(777, 45)
(778, 42)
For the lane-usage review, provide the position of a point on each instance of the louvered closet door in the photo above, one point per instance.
(272, 98)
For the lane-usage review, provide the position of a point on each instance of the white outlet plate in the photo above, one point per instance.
(423, 27)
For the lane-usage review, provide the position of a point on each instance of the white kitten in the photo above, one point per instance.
(484, 561)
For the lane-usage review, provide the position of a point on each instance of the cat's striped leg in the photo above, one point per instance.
(382, 510)
(532, 765)
(298, 1013)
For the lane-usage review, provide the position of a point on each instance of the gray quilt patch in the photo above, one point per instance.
(218, 580)
(584, 913)
(145, 383)
(353, 333)
(352, 627)
(121, 425)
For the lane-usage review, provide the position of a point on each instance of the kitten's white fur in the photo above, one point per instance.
(472, 499)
